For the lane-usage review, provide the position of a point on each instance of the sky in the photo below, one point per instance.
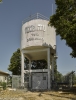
(12, 13)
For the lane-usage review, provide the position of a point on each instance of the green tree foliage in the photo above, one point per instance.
(74, 78)
(68, 76)
(55, 70)
(15, 63)
(39, 64)
(57, 75)
(64, 20)
(0, 0)
(3, 84)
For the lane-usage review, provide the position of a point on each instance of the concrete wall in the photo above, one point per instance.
(37, 33)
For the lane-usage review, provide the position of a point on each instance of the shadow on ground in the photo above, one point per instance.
(62, 93)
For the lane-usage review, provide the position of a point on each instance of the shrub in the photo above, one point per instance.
(3, 84)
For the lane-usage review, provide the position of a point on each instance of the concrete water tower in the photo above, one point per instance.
(38, 41)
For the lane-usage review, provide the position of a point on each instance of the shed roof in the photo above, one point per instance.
(1, 72)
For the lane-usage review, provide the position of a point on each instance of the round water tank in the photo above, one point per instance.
(37, 33)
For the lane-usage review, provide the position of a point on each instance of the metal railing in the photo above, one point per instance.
(35, 16)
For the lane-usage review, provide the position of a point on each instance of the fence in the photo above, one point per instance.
(16, 81)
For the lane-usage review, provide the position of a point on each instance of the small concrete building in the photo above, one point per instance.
(38, 42)
(3, 76)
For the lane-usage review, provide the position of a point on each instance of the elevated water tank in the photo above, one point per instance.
(36, 33)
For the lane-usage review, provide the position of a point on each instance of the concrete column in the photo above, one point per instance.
(22, 69)
(29, 74)
(52, 68)
(48, 62)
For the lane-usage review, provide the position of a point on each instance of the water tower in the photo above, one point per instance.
(38, 41)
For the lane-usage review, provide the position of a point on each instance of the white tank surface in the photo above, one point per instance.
(36, 33)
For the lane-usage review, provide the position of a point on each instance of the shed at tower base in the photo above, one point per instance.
(38, 42)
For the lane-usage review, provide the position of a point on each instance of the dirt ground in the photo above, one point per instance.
(28, 95)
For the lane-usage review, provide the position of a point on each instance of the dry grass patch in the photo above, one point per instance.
(49, 95)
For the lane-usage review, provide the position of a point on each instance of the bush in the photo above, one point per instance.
(3, 84)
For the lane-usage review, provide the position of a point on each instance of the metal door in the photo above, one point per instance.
(39, 81)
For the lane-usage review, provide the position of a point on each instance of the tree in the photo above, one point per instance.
(57, 75)
(70, 77)
(0, 1)
(74, 78)
(39, 64)
(15, 63)
(64, 20)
